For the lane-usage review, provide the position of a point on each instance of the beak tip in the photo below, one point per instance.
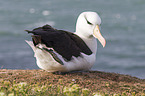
(103, 46)
(103, 42)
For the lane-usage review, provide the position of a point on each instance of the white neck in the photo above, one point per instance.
(90, 41)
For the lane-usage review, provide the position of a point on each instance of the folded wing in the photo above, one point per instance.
(65, 43)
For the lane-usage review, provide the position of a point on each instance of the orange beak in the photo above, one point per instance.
(98, 35)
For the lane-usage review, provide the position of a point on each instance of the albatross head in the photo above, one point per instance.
(87, 26)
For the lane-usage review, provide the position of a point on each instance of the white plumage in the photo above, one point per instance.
(87, 28)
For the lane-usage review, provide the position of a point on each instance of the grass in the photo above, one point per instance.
(42, 83)
(24, 89)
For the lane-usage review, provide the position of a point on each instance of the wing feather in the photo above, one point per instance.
(65, 43)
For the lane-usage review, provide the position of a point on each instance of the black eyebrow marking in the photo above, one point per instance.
(88, 21)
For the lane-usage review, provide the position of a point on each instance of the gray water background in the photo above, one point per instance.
(123, 26)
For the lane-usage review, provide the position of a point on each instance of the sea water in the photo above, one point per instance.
(123, 27)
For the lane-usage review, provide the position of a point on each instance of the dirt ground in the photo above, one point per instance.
(93, 80)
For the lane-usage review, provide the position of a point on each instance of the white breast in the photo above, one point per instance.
(46, 61)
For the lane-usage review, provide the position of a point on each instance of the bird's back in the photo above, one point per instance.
(65, 43)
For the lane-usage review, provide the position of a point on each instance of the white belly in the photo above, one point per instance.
(46, 61)
(85, 62)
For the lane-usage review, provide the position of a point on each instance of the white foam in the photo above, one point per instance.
(45, 12)
(32, 10)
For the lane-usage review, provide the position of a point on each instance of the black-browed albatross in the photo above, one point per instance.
(62, 51)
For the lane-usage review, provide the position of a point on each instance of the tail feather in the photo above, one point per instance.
(36, 39)
(29, 31)
(30, 43)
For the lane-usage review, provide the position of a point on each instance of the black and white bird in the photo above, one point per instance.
(62, 51)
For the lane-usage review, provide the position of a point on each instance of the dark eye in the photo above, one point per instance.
(89, 23)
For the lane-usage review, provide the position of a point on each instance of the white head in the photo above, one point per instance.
(88, 26)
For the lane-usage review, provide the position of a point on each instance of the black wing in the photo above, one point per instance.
(65, 43)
